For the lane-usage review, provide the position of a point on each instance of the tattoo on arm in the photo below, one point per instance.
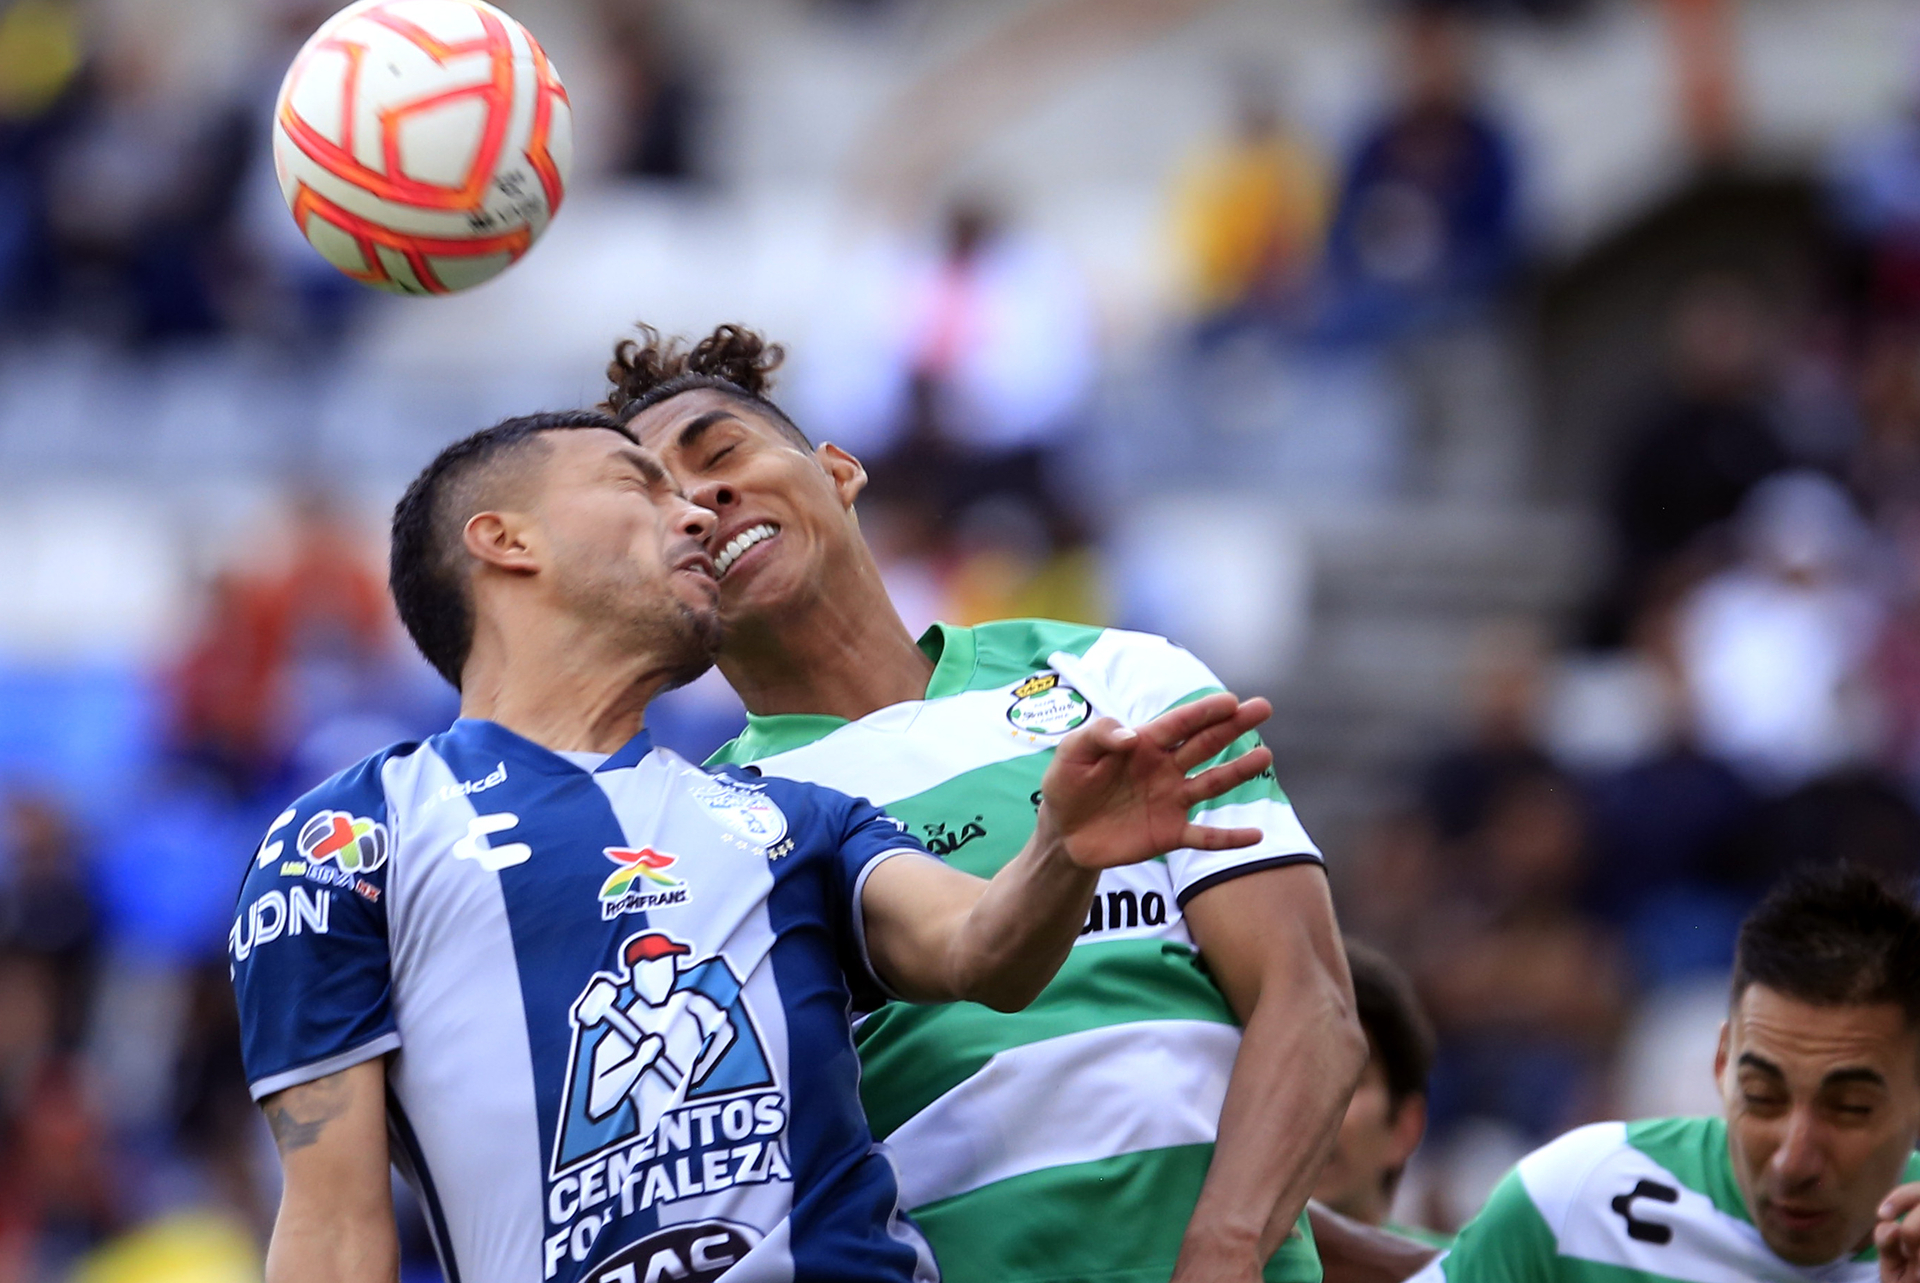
(298, 1115)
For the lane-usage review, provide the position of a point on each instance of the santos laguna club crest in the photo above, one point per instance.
(1043, 705)
(662, 1030)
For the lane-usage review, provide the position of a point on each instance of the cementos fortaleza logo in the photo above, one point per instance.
(355, 843)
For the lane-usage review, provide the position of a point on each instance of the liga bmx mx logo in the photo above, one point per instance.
(661, 1030)
(355, 843)
(1042, 705)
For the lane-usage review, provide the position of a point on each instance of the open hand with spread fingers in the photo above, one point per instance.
(1897, 1236)
(1117, 796)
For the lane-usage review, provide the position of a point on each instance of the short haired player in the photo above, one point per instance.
(1819, 1073)
(1163, 1109)
(589, 998)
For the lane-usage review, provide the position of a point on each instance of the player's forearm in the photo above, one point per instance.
(1300, 1055)
(1020, 930)
(319, 1245)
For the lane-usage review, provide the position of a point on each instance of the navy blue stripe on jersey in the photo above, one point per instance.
(849, 1196)
(413, 1165)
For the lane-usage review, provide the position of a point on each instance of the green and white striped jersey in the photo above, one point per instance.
(1628, 1203)
(1067, 1141)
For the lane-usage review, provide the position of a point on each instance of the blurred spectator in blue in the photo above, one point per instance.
(143, 194)
(1697, 449)
(47, 910)
(42, 63)
(1775, 647)
(1875, 179)
(1250, 215)
(1525, 986)
(1425, 230)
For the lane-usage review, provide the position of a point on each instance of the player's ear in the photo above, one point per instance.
(848, 475)
(1409, 1126)
(502, 539)
(1721, 1053)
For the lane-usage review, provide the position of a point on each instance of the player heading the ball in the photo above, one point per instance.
(590, 998)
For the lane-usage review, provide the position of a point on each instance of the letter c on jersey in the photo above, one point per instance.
(474, 846)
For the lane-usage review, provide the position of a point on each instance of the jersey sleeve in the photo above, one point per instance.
(1136, 677)
(308, 947)
(1508, 1242)
(869, 838)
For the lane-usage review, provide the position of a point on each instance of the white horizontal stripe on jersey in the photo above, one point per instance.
(905, 749)
(1077, 1098)
(1574, 1180)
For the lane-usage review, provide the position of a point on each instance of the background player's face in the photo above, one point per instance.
(1823, 1107)
(626, 550)
(1374, 1139)
(730, 458)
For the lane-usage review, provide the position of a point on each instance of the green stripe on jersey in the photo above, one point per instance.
(1082, 1223)
(961, 770)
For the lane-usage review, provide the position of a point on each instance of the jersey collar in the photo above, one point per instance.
(953, 651)
(496, 738)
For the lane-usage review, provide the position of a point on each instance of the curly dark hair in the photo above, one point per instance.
(733, 359)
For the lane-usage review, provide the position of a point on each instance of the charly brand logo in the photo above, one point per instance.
(640, 883)
(696, 1253)
(1044, 705)
(489, 855)
(744, 811)
(353, 842)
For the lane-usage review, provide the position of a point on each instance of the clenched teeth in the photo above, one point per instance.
(740, 543)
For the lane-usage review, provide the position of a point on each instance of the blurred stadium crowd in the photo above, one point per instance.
(1568, 507)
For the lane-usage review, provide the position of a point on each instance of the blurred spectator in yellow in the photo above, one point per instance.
(1704, 441)
(188, 1247)
(1010, 563)
(46, 908)
(1250, 212)
(42, 55)
(1425, 230)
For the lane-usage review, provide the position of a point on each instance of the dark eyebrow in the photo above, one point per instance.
(1854, 1074)
(646, 465)
(697, 426)
(1750, 1061)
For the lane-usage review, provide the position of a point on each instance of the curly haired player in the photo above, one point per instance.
(1165, 1105)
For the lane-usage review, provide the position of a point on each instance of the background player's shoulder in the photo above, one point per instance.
(1027, 643)
(1556, 1174)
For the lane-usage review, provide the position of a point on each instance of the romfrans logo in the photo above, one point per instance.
(489, 856)
(1043, 705)
(467, 788)
(640, 883)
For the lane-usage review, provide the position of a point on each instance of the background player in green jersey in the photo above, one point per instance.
(1388, 1113)
(1079, 1142)
(1819, 1071)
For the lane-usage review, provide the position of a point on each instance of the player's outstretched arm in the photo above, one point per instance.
(336, 1207)
(1897, 1236)
(1111, 797)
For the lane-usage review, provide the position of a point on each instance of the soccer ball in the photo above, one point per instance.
(422, 145)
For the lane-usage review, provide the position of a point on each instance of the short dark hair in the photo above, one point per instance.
(1833, 937)
(1397, 1030)
(426, 570)
(733, 359)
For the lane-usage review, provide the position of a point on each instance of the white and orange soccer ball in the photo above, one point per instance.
(422, 145)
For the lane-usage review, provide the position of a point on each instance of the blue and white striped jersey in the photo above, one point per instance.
(615, 993)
